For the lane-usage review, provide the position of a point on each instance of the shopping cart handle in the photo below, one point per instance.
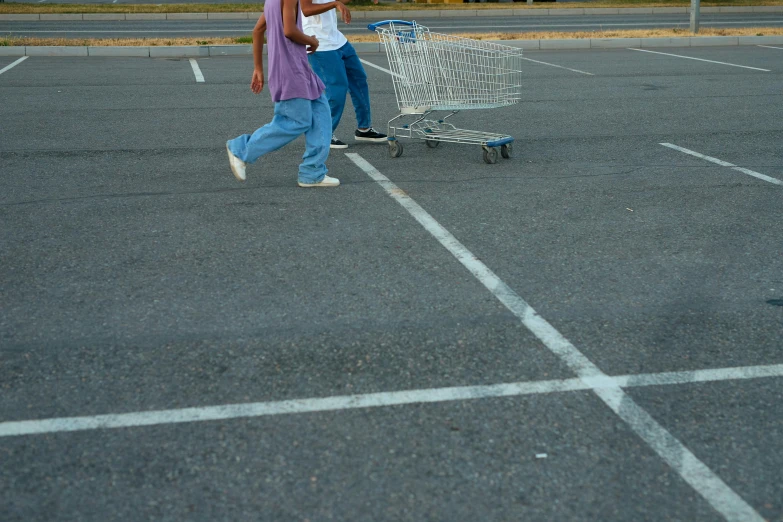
(373, 27)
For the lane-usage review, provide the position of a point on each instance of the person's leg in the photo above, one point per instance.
(328, 66)
(292, 118)
(313, 168)
(360, 96)
(357, 85)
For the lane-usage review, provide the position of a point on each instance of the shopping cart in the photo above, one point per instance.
(438, 72)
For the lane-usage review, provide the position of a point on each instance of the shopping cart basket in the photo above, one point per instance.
(438, 72)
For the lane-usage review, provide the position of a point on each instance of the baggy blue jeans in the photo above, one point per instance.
(292, 118)
(342, 72)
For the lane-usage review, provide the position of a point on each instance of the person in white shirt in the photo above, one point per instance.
(336, 63)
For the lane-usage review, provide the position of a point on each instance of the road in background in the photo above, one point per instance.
(214, 28)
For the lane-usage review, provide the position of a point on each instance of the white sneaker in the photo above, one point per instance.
(237, 165)
(328, 181)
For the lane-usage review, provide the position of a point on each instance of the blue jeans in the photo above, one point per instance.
(292, 118)
(342, 72)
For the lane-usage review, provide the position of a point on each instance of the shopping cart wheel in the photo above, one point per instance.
(395, 149)
(490, 155)
(433, 144)
(506, 150)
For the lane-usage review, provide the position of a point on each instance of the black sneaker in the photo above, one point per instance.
(370, 135)
(337, 144)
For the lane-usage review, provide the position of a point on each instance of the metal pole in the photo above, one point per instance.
(695, 16)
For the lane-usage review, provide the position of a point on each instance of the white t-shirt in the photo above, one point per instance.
(324, 28)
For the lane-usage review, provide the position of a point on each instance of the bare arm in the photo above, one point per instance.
(291, 31)
(257, 82)
(311, 9)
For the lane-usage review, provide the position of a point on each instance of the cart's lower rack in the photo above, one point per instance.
(433, 132)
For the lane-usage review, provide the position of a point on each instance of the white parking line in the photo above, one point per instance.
(559, 66)
(263, 409)
(387, 71)
(528, 59)
(377, 400)
(719, 495)
(771, 47)
(696, 376)
(365, 62)
(196, 71)
(14, 64)
(725, 164)
(698, 59)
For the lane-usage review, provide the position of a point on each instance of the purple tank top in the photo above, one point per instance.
(290, 74)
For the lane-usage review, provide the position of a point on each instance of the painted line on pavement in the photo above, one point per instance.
(697, 376)
(771, 47)
(698, 59)
(287, 407)
(365, 62)
(387, 71)
(558, 66)
(701, 478)
(528, 59)
(724, 164)
(196, 70)
(13, 64)
(376, 400)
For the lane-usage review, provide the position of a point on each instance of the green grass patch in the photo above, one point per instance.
(244, 40)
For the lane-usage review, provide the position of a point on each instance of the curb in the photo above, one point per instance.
(425, 13)
(204, 51)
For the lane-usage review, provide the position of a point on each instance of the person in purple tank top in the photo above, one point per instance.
(300, 104)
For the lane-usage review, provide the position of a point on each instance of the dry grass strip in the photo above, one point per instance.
(359, 5)
(627, 33)
(634, 33)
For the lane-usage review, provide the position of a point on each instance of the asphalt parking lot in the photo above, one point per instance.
(598, 273)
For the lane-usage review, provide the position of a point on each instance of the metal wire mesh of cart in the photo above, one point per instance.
(434, 71)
